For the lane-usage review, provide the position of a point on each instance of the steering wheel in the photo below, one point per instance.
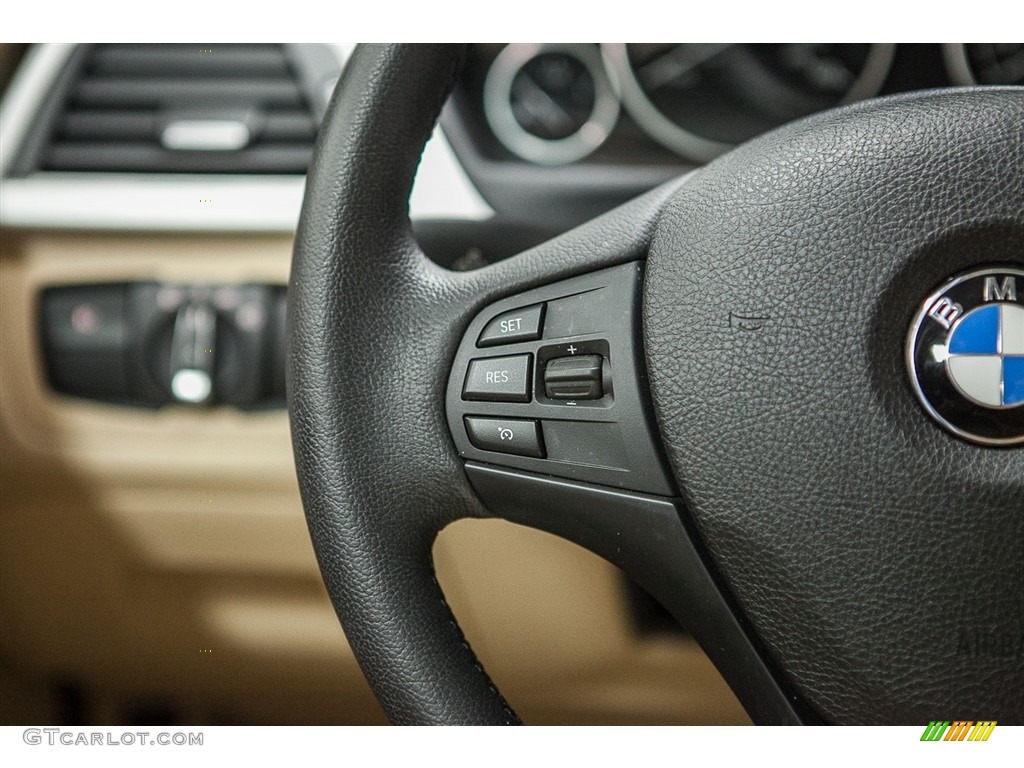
(708, 386)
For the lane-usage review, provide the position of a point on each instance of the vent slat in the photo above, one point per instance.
(289, 127)
(107, 125)
(122, 92)
(103, 126)
(120, 61)
(113, 158)
(116, 117)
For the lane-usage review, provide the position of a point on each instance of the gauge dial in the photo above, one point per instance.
(985, 63)
(550, 104)
(701, 99)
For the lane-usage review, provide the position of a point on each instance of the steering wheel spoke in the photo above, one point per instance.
(548, 406)
(644, 535)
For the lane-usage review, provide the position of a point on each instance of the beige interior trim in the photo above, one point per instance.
(163, 555)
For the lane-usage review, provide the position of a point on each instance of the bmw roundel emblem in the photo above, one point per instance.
(965, 356)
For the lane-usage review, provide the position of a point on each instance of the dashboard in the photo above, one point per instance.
(536, 137)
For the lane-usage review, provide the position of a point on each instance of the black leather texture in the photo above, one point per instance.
(372, 330)
(879, 558)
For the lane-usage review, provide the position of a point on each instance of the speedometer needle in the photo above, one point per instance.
(540, 104)
(676, 63)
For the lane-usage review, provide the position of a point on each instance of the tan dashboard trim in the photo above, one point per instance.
(131, 541)
(111, 440)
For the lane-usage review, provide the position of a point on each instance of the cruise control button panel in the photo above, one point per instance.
(516, 436)
(551, 380)
(501, 379)
(517, 325)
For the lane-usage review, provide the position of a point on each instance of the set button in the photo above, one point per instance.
(519, 325)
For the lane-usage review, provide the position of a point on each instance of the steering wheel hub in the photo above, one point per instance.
(780, 286)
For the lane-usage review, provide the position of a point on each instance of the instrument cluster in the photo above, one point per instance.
(561, 103)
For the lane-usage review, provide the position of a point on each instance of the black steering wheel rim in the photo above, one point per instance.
(373, 330)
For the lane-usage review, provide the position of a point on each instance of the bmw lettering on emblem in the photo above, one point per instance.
(965, 355)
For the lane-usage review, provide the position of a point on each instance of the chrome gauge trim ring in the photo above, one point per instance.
(522, 143)
(702, 149)
(651, 119)
(871, 79)
(958, 67)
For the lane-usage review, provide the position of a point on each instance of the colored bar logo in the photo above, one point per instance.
(959, 730)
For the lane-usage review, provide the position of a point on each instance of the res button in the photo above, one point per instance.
(502, 379)
(521, 325)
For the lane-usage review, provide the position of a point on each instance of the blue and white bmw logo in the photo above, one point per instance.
(965, 356)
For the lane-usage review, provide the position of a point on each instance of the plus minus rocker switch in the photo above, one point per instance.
(574, 378)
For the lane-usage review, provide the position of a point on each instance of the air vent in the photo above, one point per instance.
(190, 109)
